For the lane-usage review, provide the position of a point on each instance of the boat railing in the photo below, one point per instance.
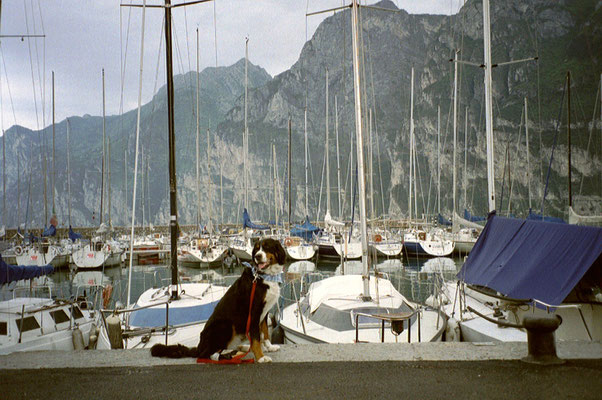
(564, 306)
(396, 321)
(127, 311)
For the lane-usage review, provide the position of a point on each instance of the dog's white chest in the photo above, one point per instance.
(271, 297)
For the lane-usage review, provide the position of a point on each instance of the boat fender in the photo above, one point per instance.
(18, 250)
(93, 339)
(78, 339)
(432, 301)
(114, 331)
(277, 336)
(106, 295)
(452, 331)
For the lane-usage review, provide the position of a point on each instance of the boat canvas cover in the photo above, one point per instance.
(525, 259)
(442, 221)
(11, 273)
(74, 236)
(305, 231)
(246, 222)
(50, 231)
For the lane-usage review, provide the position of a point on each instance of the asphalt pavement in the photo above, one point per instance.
(347, 371)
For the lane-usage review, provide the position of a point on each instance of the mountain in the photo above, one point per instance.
(564, 35)
(220, 89)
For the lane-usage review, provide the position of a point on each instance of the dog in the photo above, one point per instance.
(226, 328)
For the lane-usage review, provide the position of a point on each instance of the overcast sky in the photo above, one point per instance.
(84, 36)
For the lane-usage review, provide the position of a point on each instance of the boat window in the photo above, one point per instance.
(77, 313)
(155, 316)
(28, 324)
(3, 328)
(59, 316)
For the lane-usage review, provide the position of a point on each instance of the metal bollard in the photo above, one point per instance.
(540, 337)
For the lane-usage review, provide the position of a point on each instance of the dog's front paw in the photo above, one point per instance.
(269, 347)
(264, 359)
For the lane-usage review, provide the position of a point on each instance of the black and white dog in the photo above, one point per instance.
(226, 327)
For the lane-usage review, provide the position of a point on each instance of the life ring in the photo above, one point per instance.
(108, 247)
(106, 295)
(18, 250)
(378, 238)
(288, 242)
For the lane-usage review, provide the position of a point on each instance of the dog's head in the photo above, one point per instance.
(269, 256)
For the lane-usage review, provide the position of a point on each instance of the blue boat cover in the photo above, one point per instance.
(50, 231)
(246, 222)
(305, 231)
(12, 273)
(538, 217)
(526, 259)
(472, 218)
(74, 236)
(442, 221)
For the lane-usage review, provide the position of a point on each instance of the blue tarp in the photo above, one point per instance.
(525, 259)
(538, 217)
(246, 222)
(50, 231)
(472, 218)
(442, 221)
(305, 231)
(12, 273)
(74, 236)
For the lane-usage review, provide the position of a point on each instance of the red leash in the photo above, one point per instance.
(239, 358)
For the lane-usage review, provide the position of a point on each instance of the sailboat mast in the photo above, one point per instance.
(327, 152)
(370, 165)
(4, 178)
(568, 126)
(173, 202)
(69, 169)
(102, 178)
(528, 161)
(465, 156)
(53, 158)
(275, 187)
(411, 144)
(246, 131)
(488, 106)
(289, 170)
(360, 150)
(109, 178)
(336, 133)
(306, 164)
(198, 184)
(210, 199)
(455, 125)
(438, 159)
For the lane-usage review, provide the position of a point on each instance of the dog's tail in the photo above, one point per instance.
(173, 351)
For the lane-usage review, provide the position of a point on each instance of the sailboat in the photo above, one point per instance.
(299, 246)
(335, 241)
(418, 242)
(357, 308)
(176, 312)
(99, 252)
(519, 267)
(207, 249)
(33, 323)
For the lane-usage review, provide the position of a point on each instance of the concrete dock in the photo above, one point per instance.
(420, 370)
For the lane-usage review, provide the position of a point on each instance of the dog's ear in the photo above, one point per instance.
(256, 248)
(280, 253)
